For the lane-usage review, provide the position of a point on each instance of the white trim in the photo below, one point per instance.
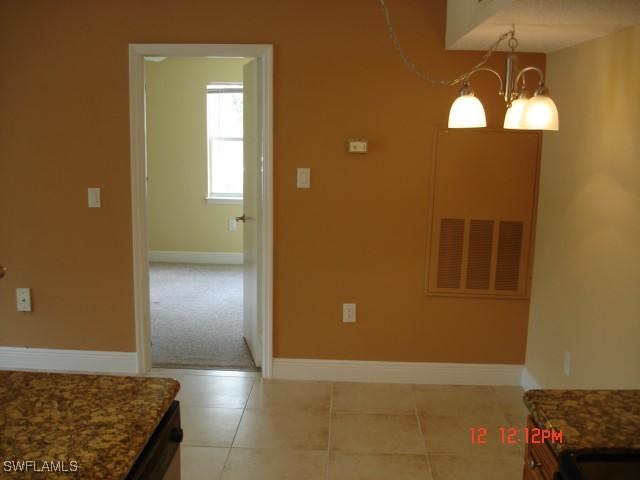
(266, 236)
(397, 372)
(137, 52)
(224, 200)
(140, 241)
(528, 381)
(222, 258)
(76, 360)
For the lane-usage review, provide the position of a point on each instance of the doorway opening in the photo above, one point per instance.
(194, 141)
(202, 205)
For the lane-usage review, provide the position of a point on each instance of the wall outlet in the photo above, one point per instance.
(23, 299)
(349, 312)
(567, 364)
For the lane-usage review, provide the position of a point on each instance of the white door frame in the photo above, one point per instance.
(137, 52)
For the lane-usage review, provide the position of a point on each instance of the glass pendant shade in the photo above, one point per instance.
(540, 113)
(513, 117)
(467, 112)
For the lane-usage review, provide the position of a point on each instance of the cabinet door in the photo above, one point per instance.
(540, 463)
(528, 474)
(534, 469)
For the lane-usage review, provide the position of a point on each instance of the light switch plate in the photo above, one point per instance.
(233, 225)
(304, 178)
(94, 197)
(349, 312)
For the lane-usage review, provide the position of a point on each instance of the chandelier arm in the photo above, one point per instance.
(487, 69)
(419, 73)
(528, 69)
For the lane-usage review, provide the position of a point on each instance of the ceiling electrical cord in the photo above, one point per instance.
(412, 66)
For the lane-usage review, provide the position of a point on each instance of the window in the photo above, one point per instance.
(224, 137)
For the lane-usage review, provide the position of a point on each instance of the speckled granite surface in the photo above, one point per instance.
(101, 422)
(590, 420)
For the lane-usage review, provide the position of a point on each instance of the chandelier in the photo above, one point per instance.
(538, 112)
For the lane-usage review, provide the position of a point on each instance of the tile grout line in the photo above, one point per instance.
(424, 441)
(233, 440)
(329, 430)
(505, 415)
(494, 395)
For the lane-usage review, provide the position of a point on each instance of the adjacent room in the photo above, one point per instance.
(194, 146)
(339, 240)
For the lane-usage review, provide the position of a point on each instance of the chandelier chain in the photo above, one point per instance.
(412, 66)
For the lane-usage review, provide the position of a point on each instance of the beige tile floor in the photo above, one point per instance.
(240, 427)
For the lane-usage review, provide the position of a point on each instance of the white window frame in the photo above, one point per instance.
(213, 197)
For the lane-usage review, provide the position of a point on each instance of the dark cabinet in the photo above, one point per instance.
(540, 462)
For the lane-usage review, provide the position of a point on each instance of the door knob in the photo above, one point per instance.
(3, 270)
(243, 218)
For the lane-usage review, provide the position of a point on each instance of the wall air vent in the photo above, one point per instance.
(509, 248)
(482, 213)
(479, 254)
(450, 252)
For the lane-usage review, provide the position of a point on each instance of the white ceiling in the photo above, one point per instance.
(544, 25)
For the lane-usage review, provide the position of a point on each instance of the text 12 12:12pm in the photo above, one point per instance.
(513, 435)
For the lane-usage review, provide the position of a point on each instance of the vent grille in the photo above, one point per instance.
(509, 251)
(479, 254)
(482, 207)
(450, 252)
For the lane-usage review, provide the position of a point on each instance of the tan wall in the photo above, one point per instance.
(358, 235)
(179, 219)
(586, 280)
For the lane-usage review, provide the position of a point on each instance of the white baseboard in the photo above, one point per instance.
(397, 372)
(528, 381)
(195, 257)
(64, 360)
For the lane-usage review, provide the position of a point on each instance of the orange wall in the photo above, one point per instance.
(357, 236)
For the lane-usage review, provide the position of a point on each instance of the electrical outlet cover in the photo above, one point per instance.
(567, 364)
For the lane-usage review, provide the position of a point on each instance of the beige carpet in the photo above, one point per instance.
(196, 316)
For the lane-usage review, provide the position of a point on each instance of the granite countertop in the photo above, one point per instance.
(101, 422)
(590, 420)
